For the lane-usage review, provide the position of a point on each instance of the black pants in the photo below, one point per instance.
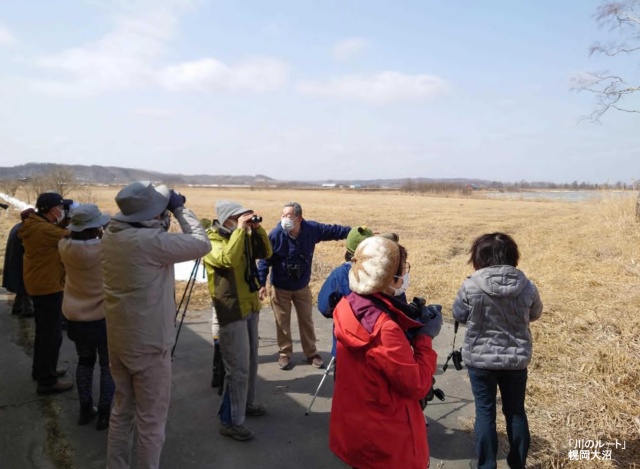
(90, 339)
(47, 310)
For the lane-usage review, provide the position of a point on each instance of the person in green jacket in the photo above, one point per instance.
(237, 241)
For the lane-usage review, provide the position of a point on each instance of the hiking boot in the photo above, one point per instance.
(284, 362)
(316, 361)
(87, 414)
(255, 410)
(58, 386)
(237, 432)
(104, 413)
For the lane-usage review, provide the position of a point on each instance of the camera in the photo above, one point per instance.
(293, 271)
(255, 219)
(416, 306)
(456, 357)
(433, 392)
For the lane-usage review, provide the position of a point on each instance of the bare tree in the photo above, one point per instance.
(61, 179)
(9, 186)
(609, 89)
(36, 185)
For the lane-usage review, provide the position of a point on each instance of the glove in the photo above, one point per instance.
(431, 319)
(176, 200)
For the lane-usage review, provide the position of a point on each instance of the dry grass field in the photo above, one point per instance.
(584, 257)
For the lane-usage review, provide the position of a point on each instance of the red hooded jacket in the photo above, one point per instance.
(376, 419)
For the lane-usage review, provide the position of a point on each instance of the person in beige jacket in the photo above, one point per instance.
(138, 255)
(83, 307)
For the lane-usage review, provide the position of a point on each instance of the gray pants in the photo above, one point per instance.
(239, 348)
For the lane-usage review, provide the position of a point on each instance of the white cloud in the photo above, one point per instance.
(257, 75)
(153, 111)
(6, 37)
(381, 88)
(348, 48)
(130, 56)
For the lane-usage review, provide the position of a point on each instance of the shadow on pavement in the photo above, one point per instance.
(286, 438)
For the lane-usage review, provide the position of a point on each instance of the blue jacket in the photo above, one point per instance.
(295, 255)
(337, 281)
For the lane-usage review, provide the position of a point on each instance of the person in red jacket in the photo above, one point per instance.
(376, 419)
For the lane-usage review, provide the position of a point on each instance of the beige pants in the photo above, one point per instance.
(281, 301)
(143, 392)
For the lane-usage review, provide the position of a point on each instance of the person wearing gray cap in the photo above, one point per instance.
(138, 255)
(43, 275)
(83, 307)
(237, 241)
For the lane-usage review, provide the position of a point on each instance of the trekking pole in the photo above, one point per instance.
(185, 295)
(324, 375)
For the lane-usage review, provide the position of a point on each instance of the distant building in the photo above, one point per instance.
(329, 185)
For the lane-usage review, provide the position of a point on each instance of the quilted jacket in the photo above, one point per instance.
(497, 304)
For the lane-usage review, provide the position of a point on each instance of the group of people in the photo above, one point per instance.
(113, 281)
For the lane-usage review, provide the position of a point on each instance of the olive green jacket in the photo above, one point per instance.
(227, 266)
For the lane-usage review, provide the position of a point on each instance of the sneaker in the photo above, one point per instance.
(284, 362)
(255, 410)
(58, 386)
(237, 432)
(316, 361)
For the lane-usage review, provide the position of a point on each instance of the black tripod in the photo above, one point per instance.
(186, 295)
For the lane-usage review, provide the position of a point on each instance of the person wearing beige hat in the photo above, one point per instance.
(376, 418)
(83, 307)
(138, 257)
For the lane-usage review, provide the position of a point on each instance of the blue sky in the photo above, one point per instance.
(307, 90)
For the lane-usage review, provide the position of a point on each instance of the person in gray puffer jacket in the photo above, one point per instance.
(497, 303)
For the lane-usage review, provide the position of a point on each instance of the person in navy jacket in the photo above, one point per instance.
(294, 241)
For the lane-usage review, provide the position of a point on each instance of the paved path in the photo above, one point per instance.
(285, 438)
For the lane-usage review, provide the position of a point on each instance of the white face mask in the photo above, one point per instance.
(60, 218)
(287, 224)
(403, 288)
(231, 225)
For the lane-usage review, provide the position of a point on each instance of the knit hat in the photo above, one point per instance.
(355, 237)
(375, 263)
(141, 201)
(87, 216)
(226, 209)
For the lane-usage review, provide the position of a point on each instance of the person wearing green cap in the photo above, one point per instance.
(337, 283)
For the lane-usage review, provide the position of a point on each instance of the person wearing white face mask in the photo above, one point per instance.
(294, 240)
(44, 281)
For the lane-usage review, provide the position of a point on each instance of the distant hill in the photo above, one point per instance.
(115, 175)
